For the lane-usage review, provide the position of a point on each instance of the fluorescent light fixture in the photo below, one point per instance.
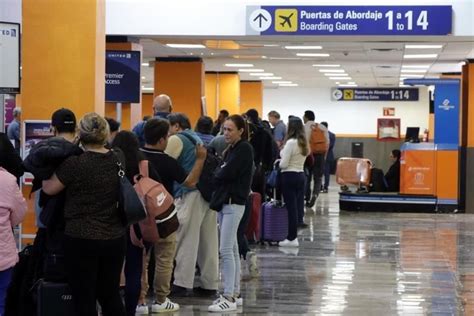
(423, 46)
(143, 77)
(282, 82)
(303, 47)
(411, 76)
(284, 58)
(337, 82)
(186, 45)
(251, 70)
(336, 75)
(263, 74)
(414, 71)
(347, 85)
(148, 89)
(311, 55)
(270, 78)
(420, 56)
(239, 65)
(264, 57)
(321, 65)
(339, 78)
(271, 45)
(288, 85)
(416, 66)
(351, 82)
(331, 70)
(146, 64)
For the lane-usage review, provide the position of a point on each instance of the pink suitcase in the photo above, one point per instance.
(353, 171)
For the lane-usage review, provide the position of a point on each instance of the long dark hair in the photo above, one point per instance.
(240, 123)
(128, 143)
(296, 131)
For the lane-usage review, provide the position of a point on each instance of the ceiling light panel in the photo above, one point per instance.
(336, 75)
(303, 47)
(263, 74)
(420, 56)
(312, 55)
(282, 82)
(331, 70)
(288, 85)
(329, 65)
(416, 66)
(270, 78)
(423, 46)
(340, 78)
(413, 70)
(239, 65)
(186, 46)
(251, 70)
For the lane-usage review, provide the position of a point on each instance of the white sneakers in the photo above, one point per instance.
(165, 307)
(142, 309)
(222, 305)
(289, 243)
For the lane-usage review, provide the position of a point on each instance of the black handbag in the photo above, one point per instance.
(130, 205)
(220, 197)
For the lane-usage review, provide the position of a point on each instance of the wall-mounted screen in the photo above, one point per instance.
(9, 57)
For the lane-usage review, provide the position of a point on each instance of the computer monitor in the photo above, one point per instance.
(412, 135)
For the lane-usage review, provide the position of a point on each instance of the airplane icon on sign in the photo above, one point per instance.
(286, 20)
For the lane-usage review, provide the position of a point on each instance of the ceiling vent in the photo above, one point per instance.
(384, 50)
(385, 67)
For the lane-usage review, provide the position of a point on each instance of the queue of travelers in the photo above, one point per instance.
(79, 220)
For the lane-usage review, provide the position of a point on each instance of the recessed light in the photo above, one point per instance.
(339, 78)
(331, 70)
(145, 64)
(336, 75)
(303, 47)
(351, 82)
(143, 77)
(347, 85)
(251, 70)
(186, 45)
(270, 78)
(311, 55)
(148, 89)
(263, 74)
(239, 65)
(288, 85)
(423, 46)
(271, 45)
(416, 66)
(282, 82)
(420, 56)
(321, 65)
(413, 70)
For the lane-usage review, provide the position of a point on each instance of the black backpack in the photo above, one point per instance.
(206, 184)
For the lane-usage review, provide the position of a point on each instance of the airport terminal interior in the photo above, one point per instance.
(394, 80)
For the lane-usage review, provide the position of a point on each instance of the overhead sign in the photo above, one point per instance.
(374, 94)
(122, 76)
(9, 57)
(349, 20)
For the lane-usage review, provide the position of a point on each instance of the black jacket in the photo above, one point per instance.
(393, 177)
(236, 172)
(9, 158)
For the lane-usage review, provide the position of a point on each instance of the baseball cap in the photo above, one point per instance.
(63, 119)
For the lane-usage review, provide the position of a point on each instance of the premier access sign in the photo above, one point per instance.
(349, 20)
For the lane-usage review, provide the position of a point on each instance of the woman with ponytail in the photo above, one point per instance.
(293, 156)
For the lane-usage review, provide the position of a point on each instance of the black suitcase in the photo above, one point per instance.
(377, 181)
(54, 299)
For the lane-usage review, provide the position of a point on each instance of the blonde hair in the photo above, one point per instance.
(93, 129)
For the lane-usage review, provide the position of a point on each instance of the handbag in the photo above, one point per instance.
(130, 206)
(220, 197)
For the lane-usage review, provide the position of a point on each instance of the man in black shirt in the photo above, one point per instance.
(156, 139)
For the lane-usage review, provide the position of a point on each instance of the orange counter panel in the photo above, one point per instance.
(447, 174)
(418, 172)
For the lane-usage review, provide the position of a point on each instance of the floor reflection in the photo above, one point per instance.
(364, 264)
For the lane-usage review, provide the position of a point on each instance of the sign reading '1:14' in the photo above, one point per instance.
(349, 20)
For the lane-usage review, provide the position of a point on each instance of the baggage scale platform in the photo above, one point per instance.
(387, 202)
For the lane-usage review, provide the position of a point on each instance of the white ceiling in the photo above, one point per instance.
(369, 61)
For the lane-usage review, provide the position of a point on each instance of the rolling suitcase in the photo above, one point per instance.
(253, 227)
(353, 171)
(274, 219)
(54, 299)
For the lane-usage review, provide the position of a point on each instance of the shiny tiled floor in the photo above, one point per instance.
(364, 264)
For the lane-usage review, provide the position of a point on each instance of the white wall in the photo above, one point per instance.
(344, 117)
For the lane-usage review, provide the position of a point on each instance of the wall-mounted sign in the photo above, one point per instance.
(349, 20)
(388, 111)
(388, 129)
(374, 94)
(9, 57)
(122, 76)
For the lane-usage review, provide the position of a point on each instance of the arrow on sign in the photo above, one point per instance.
(260, 17)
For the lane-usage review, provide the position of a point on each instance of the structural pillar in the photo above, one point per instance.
(251, 96)
(182, 79)
(222, 92)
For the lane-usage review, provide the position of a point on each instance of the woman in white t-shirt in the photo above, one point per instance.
(293, 156)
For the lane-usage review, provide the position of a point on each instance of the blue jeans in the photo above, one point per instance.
(229, 219)
(293, 196)
(5, 279)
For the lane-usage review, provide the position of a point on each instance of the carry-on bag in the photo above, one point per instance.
(274, 219)
(253, 227)
(54, 299)
(353, 171)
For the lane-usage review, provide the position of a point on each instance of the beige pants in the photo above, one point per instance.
(165, 250)
(197, 242)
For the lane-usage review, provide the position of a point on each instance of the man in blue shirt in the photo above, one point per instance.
(279, 131)
(162, 107)
(13, 131)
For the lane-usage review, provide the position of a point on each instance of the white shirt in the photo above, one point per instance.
(292, 160)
